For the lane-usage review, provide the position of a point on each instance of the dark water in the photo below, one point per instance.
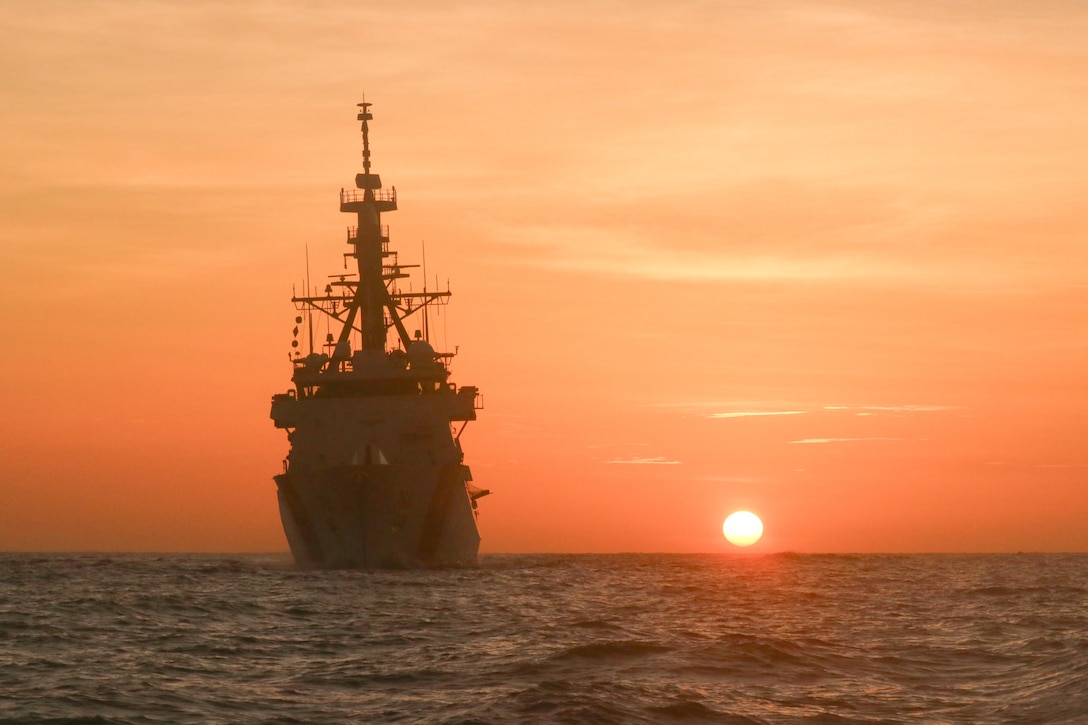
(577, 639)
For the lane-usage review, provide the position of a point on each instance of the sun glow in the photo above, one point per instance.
(742, 528)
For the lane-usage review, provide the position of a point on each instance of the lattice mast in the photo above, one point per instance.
(370, 245)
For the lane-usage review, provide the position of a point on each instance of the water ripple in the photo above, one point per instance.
(580, 639)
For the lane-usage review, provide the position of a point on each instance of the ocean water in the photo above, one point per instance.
(546, 639)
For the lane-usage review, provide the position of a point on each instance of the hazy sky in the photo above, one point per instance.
(823, 261)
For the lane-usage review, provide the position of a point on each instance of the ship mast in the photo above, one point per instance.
(371, 304)
(370, 245)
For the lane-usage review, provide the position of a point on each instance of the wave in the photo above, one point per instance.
(611, 650)
(633, 639)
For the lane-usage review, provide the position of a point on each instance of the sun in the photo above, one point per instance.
(742, 528)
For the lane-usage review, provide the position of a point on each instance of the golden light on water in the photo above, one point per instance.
(742, 528)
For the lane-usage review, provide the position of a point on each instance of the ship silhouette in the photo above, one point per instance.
(375, 476)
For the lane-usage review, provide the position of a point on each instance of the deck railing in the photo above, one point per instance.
(383, 234)
(352, 196)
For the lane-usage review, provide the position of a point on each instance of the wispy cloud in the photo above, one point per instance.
(862, 410)
(870, 410)
(598, 250)
(845, 440)
(907, 408)
(754, 413)
(654, 461)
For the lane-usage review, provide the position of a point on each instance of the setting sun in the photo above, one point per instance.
(742, 528)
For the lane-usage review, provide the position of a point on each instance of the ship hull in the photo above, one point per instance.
(379, 516)
(375, 477)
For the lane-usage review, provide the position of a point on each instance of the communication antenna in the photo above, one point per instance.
(309, 307)
(445, 324)
(426, 302)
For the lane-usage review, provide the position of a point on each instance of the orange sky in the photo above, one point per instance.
(822, 261)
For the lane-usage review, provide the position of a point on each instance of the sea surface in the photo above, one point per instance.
(777, 638)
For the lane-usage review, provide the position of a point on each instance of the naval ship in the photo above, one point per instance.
(375, 476)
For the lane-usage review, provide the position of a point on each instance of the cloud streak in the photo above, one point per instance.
(846, 440)
(754, 413)
(832, 409)
(654, 461)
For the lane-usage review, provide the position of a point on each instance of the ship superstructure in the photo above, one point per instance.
(375, 476)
